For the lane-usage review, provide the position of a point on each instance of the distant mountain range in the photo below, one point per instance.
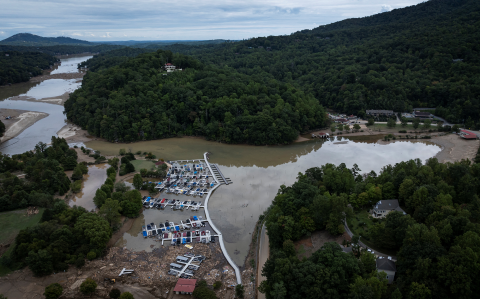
(28, 39)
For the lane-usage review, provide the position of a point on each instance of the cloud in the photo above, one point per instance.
(180, 20)
(2, 32)
(386, 8)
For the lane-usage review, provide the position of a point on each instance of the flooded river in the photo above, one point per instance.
(257, 173)
(97, 174)
(44, 129)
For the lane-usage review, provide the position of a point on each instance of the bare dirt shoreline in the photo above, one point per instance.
(20, 120)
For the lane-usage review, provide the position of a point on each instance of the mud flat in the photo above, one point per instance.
(20, 121)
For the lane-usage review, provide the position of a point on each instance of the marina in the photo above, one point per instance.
(196, 178)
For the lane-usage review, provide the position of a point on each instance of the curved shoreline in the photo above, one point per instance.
(24, 121)
(220, 236)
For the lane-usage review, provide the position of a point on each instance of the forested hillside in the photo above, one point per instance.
(61, 49)
(419, 56)
(28, 39)
(112, 58)
(137, 100)
(438, 241)
(18, 67)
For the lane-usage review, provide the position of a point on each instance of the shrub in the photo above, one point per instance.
(88, 287)
(239, 291)
(53, 291)
(217, 285)
(122, 152)
(80, 262)
(126, 295)
(91, 255)
(402, 131)
(114, 293)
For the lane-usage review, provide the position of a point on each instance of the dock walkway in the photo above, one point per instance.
(217, 173)
(220, 237)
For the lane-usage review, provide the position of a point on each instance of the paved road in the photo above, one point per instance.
(263, 254)
(365, 246)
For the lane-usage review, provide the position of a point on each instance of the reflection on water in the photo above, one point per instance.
(257, 173)
(16, 89)
(52, 88)
(97, 174)
(43, 130)
(134, 240)
(70, 64)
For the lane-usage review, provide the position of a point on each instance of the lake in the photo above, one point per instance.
(257, 173)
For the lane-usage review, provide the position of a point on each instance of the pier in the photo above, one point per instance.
(220, 237)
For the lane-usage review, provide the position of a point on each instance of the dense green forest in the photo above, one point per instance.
(44, 175)
(419, 56)
(65, 235)
(438, 241)
(20, 67)
(61, 49)
(112, 58)
(137, 100)
(28, 39)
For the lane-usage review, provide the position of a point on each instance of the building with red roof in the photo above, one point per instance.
(169, 66)
(185, 286)
(467, 135)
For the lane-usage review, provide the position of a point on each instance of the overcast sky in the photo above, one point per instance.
(98, 20)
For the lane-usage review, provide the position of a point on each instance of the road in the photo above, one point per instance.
(263, 254)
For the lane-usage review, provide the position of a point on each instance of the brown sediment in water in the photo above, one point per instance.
(97, 174)
(257, 173)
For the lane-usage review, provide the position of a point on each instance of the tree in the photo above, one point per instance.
(88, 287)
(391, 123)
(77, 174)
(137, 181)
(53, 291)
(126, 295)
(340, 127)
(396, 294)
(40, 262)
(371, 122)
(93, 230)
(356, 127)
(99, 198)
(419, 291)
(217, 284)
(239, 291)
(404, 121)
(122, 152)
(110, 210)
(426, 124)
(114, 293)
(333, 128)
(2, 128)
(416, 123)
(346, 127)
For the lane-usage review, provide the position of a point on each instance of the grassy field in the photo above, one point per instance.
(139, 164)
(11, 223)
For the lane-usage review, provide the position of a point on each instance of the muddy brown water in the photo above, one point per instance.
(257, 173)
(97, 174)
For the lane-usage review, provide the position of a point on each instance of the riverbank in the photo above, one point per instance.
(64, 76)
(453, 147)
(19, 121)
(74, 134)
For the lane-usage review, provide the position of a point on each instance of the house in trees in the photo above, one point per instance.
(185, 286)
(388, 266)
(169, 66)
(383, 207)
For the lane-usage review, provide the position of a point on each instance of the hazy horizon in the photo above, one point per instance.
(121, 20)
